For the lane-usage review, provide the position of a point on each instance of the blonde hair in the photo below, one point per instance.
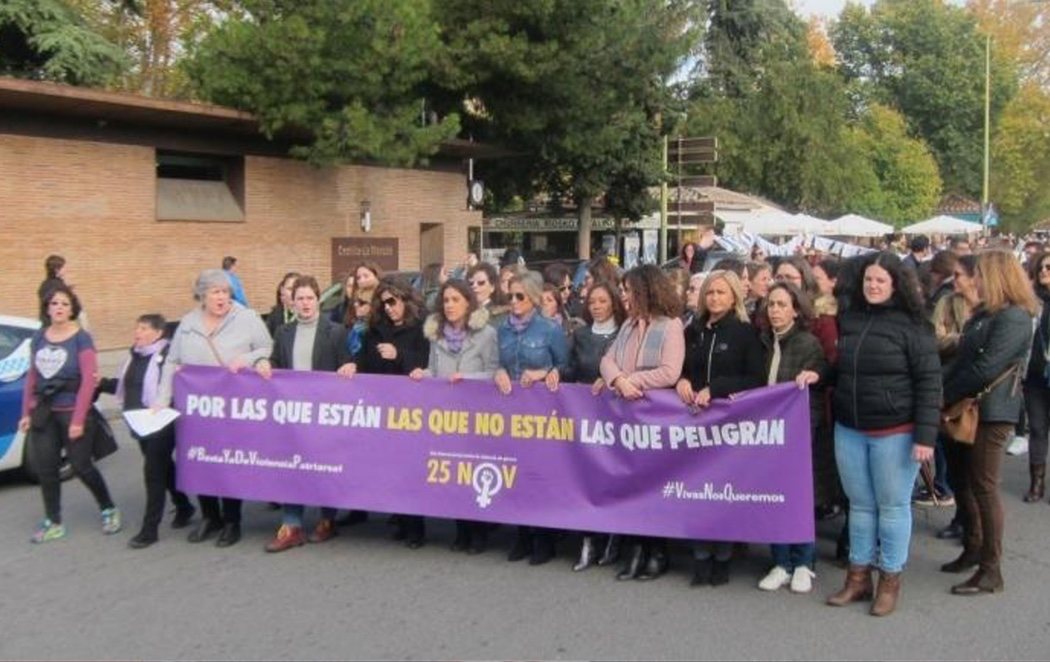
(1004, 282)
(735, 286)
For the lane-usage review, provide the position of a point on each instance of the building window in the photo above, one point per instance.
(199, 187)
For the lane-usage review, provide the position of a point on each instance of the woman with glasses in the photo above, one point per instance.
(1037, 382)
(647, 354)
(394, 344)
(484, 281)
(462, 346)
(723, 355)
(532, 349)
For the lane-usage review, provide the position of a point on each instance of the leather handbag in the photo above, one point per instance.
(959, 420)
(99, 433)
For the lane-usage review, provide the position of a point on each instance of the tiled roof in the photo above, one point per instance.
(955, 203)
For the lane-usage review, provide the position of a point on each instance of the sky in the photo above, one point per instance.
(825, 8)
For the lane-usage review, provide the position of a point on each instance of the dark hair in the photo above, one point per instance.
(943, 264)
(799, 300)
(830, 266)
(755, 267)
(958, 239)
(556, 273)
(493, 275)
(553, 289)
(736, 265)
(53, 264)
(619, 314)
(228, 262)
(155, 321)
(73, 300)
(653, 292)
(809, 283)
(969, 264)
(430, 277)
(696, 249)
(291, 275)
(511, 256)
(906, 291)
(919, 243)
(602, 270)
(306, 281)
(464, 289)
(401, 289)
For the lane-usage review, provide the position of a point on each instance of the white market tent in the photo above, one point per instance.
(854, 225)
(769, 222)
(943, 225)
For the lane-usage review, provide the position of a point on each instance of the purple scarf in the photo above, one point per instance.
(454, 337)
(151, 380)
(519, 324)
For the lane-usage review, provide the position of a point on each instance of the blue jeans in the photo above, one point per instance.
(877, 474)
(794, 556)
(292, 514)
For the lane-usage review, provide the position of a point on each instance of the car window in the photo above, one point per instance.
(10, 338)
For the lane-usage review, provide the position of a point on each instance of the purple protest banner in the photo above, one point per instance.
(739, 470)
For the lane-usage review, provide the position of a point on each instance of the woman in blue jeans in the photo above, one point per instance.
(887, 400)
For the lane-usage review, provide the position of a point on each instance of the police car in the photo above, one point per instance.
(15, 334)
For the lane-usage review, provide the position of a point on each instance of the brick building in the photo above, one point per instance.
(140, 194)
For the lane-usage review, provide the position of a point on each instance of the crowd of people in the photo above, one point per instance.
(884, 344)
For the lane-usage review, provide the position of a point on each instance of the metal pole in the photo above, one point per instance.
(663, 205)
(987, 122)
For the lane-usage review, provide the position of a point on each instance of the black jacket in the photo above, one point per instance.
(329, 346)
(1036, 374)
(990, 344)
(888, 373)
(800, 350)
(727, 357)
(585, 355)
(413, 349)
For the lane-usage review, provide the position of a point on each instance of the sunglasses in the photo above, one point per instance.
(390, 302)
(361, 302)
(565, 288)
(518, 296)
(479, 283)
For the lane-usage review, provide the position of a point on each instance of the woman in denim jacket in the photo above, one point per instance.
(532, 349)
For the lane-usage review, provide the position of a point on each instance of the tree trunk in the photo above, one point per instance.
(583, 241)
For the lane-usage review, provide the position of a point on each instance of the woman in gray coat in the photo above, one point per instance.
(462, 346)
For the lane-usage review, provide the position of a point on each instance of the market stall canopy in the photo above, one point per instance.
(770, 222)
(943, 225)
(854, 225)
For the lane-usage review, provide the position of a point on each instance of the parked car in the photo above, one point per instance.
(15, 334)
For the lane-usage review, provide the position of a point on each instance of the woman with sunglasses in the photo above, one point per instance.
(532, 349)
(462, 346)
(394, 344)
(1037, 382)
(647, 354)
(484, 281)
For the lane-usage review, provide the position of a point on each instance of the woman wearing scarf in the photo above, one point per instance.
(603, 315)
(647, 354)
(532, 349)
(462, 346)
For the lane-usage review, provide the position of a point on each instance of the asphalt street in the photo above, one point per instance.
(364, 596)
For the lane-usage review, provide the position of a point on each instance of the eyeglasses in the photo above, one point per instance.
(361, 302)
(517, 296)
(390, 302)
(565, 288)
(479, 283)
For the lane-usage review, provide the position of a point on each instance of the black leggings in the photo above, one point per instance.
(46, 444)
(159, 472)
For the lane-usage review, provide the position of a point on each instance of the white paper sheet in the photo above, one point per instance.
(145, 422)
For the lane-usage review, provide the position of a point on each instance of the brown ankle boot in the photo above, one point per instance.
(858, 587)
(1037, 490)
(968, 559)
(886, 594)
(988, 580)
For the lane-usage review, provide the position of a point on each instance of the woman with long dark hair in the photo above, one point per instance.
(1037, 382)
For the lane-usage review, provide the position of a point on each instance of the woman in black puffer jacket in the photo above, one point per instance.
(887, 400)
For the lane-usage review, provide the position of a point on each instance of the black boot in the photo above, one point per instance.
(204, 529)
(719, 573)
(701, 572)
(144, 538)
(462, 541)
(183, 515)
(842, 545)
(542, 548)
(522, 546)
(479, 538)
(588, 552)
(657, 563)
(1037, 489)
(635, 564)
(612, 551)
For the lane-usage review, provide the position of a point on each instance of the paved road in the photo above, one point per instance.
(364, 596)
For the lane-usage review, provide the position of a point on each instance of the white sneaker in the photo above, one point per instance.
(802, 580)
(1017, 446)
(776, 578)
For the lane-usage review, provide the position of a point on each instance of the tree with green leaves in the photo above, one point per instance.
(575, 87)
(346, 76)
(1021, 159)
(49, 40)
(926, 59)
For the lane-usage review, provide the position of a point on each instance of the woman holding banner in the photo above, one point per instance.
(462, 346)
(218, 332)
(532, 349)
(887, 399)
(722, 356)
(603, 315)
(309, 342)
(394, 345)
(647, 354)
(793, 354)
